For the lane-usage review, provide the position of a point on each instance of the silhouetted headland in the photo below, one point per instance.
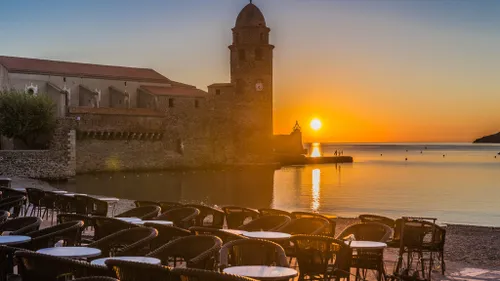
(495, 138)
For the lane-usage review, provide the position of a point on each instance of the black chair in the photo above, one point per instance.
(208, 217)
(311, 226)
(165, 205)
(273, 212)
(33, 266)
(367, 231)
(166, 234)
(13, 205)
(327, 232)
(35, 197)
(192, 274)
(104, 226)
(68, 232)
(226, 236)
(144, 212)
(20, 226)
(266, 223)
(96, 278)
(88, 222)
(236, 216)
(198, 251)
(252, 252)
(376, 218)
(181, 217)
(4, 215)
(135, 271)
(322, 257)
(139, 203)
(127, 242)
(7, 262)
(87, 205)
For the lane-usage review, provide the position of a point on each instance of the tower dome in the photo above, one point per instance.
(250, 16)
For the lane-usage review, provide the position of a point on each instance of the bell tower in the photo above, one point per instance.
(252, 77)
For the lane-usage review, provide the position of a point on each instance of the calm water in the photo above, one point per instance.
(463, 186)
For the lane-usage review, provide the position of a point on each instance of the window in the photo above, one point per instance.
(217, 91)
(242, 55)
(196, 103)
(64, 79)
(258, 54)
(170, 102)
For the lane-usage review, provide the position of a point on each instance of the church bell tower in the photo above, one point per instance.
(252, 77)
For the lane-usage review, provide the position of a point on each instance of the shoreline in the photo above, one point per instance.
(466, 245)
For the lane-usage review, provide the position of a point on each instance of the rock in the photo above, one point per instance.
(495, 138)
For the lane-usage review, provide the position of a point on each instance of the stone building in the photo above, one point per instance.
(135, 118)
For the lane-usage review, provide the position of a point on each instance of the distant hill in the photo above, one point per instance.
(489, 139)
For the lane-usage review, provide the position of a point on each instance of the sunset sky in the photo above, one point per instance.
(371, 71)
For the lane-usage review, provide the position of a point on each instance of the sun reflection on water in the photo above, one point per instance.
(315, 150)
(316, 179)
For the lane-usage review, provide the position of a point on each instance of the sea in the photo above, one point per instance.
(456, 183)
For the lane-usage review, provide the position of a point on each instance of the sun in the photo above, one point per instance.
(316, 124)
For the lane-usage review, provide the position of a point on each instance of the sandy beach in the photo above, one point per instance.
(467, 247)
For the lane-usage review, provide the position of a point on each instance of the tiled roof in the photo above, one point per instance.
(174, 91)
(75, 69)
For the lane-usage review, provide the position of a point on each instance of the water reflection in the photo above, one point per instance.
(315, 150)
(316, 189)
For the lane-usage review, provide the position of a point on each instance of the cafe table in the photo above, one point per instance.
(14, 239)
(263, 272)
(130, 220)
(58, 191)
(148, 260)
(267, 235)
(371, 247)
(234, 231)
(168, 223)
(71, 252)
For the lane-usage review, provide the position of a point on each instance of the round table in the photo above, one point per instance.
(366, 245)
(109, 199)
(73, 194)
(19, 189)
(269, 235)
(262, 272)
(234, 231)
(134, 259)
(169, 223)
(131, 220)
(71, 252)
(14, 239)
(58, 191)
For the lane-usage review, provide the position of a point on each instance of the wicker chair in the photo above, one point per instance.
(65, 204)
(208, 217)
(127, 242)
(69, 232)
(96, 278)
(166, 234)
(4, 215)
(49, 203)
(266, 223)
(7, 261)
(35, 197)
(20, 226)
(376, 218)
(104, 226)
(135, 271)
(311, 226)
(181, 217)
(13, 205)
(86, 205)
(368, 231)
(192, 274)
(326, 232)
(198, 251)
(139, 203)
(144, 212)
(226, 236)
(273, 212)
(236, 216)
(88, 222)
(165, 205)
(33, 266)
(322, 257)
(252, 252)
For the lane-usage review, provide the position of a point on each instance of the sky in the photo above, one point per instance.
(370, 70)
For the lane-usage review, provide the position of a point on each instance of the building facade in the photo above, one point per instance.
(135, 118)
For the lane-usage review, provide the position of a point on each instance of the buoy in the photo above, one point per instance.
(444, 155)
(380, 154)
(406, 159)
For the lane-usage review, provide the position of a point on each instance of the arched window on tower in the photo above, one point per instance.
(242, 55)
(258, 54)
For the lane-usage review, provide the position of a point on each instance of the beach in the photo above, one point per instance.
(468, 248)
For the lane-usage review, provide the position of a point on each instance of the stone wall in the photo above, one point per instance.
(58, 162)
